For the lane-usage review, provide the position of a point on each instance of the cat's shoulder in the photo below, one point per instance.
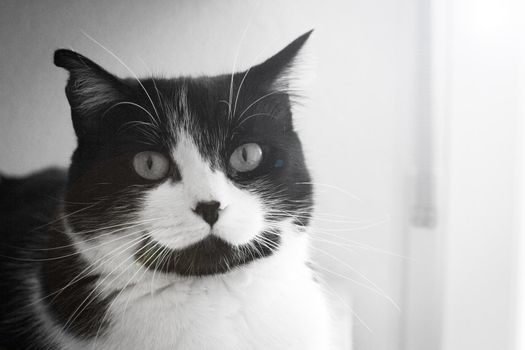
(34, 190)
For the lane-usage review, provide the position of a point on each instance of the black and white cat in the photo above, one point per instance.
(181, 224)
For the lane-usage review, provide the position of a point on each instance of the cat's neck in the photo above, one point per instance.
(91, 298)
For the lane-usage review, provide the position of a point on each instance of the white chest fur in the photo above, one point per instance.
(272, 303)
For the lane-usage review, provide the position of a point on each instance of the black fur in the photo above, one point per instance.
(25, 205)
(101, 182)
(68, 287)
(29, 255)
(101, 188)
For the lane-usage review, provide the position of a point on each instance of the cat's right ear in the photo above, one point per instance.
(90, 90)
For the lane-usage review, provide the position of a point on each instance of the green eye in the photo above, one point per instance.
(151, 165)
(246, 157)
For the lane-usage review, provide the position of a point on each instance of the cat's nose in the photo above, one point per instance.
(209, 211)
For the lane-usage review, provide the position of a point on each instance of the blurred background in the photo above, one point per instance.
(413, 127)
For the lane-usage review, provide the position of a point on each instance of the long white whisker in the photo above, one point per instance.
(135, 105)
(346, 306)
(66, 216)
(93, 266)
(89, 299)
(342, 190)
(244, 78)
(230, 98)
(374, 288)
(160, 260)
(127, 67)
(360, 246)
(257, 100)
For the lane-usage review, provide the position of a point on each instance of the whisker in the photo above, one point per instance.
(85, 272)
(258, 100)
(129, 70)
(65, 216)
(106, 313)
(122, 227)
(159, 99)
(374, 287)
(250, 20)
(160, 260)
(253, 116)
(76, 312)
(89, 299)
(245, 75)
(332, 291)
(340, 189)
(361, 246)
(79, 252)
(134, 105)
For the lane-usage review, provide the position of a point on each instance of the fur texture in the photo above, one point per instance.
(200, 255)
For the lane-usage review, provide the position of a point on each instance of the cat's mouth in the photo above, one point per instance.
(209, 256)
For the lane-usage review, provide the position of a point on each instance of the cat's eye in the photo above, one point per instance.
(246, 157)
(151, 165)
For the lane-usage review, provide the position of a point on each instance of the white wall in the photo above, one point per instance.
(463, 293)
(355, 122)
(520, 208)
(480, 117)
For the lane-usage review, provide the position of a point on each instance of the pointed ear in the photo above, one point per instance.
(90, 90)
(274, 73)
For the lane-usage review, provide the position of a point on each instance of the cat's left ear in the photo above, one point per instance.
(276, 72)
(90, 90)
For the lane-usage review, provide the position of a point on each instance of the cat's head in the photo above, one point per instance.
(193, 175)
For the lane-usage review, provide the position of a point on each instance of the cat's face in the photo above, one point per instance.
(194, 175)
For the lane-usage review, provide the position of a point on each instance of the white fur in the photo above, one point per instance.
(270, 303)
(241, 217)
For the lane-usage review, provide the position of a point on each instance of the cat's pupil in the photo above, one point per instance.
(149, 162)
(244, 154)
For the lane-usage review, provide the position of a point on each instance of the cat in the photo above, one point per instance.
(182, 222)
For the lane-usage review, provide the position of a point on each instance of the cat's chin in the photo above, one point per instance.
(210, 256)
